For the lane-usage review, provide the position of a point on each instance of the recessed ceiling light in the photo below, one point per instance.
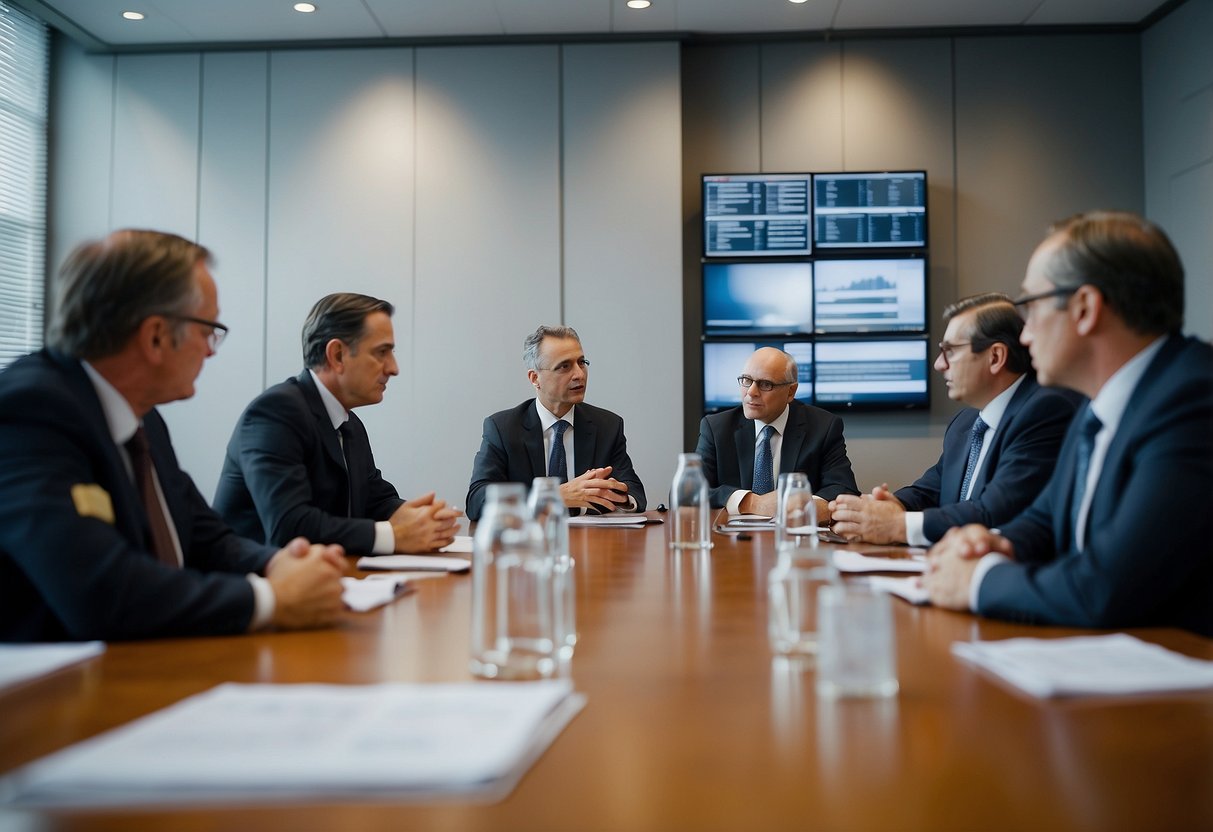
(306, 8)
(798, 2)
(639, 4)
(133, 15)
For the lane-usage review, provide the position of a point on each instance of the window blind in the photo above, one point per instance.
(24, 61)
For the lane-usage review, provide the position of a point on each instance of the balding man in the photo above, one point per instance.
(746, 448)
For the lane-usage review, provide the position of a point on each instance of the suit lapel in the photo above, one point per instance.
(953, 473)
(585, 438)
(324, 425)
(990, 463)
(743, 438)
(532, 438)
(794, 435)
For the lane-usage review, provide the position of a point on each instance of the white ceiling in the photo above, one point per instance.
(177, 23)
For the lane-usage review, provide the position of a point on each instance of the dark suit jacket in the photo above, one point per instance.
(284, 475)
(1148, 559)
(69, 571)
(511, 450)
(1018, 463)
(812, 443)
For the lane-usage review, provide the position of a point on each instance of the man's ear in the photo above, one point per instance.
(997, 355)
(1086, 309)
(154, 337)
(334, 354)
(533, 377)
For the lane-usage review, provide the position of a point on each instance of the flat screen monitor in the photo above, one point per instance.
(872, 374)
(756, 214)
(870, 295)
(723, 362)
(870, 210)
(757, 298)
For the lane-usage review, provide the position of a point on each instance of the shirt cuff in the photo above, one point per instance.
(263, 602)
(385, 538)
(734, 503)
(914, 533)
(979, 574)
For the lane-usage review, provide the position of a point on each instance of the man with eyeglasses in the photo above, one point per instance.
(299, 461)
(102, 535)
(998, 452)
(557, 434)
(1120, 536)
(746, 448)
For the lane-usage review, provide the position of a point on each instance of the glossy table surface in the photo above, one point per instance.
(690, 722)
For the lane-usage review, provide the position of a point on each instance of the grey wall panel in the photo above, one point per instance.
(1177, 111)
(488, 244)
(231, 223)
(82, 108)
(623, 250)
(802, 116)
(1045, 128)
(156, 143)
(340, 211)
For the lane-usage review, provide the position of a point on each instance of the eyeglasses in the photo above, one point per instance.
(1023, 305)
(946, 349)
(566, 367)
(764, 385)
(214, 338)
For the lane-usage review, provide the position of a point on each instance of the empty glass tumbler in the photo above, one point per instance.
(548, 510)
(513, 621)
(690, 512)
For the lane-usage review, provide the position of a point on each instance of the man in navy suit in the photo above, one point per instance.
(299, 461)
(998, 452)
(744, 449)
(1120, 537)
(102, 535)
(558, 434)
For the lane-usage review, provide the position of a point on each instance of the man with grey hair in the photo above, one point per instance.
(557, 434)
(299, 461)
(746, 448)
(102, 535)
(998, 452)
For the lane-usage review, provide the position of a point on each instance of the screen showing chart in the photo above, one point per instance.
(723, 362)
(870, 210)
(757, 298)
(871, 374)
(757, 214)
(870, 295)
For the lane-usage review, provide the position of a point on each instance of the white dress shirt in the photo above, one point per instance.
(779, 423)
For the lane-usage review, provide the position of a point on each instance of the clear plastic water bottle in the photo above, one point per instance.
(690, 511)
(548, 509)
(801, 568)
(512, 620)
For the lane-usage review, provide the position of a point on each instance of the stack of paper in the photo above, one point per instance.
(614, 520)
(414, 563)
(909, 589)
(848, 560)
(279, 742)
(21, 663)
(368, 593)
(1087, 665)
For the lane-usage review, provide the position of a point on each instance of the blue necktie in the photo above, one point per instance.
(1088, 427)
(764, 477)
(979, 432)
(557, 466)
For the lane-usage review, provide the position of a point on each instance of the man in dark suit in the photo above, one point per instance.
(998, 452)
(102, 535)
(744, 449)
(299, 461)
(558, 434)
(1120, 537)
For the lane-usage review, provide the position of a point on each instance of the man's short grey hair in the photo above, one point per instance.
(108, 288)
(793, 369)
(530, 346)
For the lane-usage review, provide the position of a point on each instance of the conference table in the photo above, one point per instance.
(690, 722)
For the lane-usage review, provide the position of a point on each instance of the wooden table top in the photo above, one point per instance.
(690, 722)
